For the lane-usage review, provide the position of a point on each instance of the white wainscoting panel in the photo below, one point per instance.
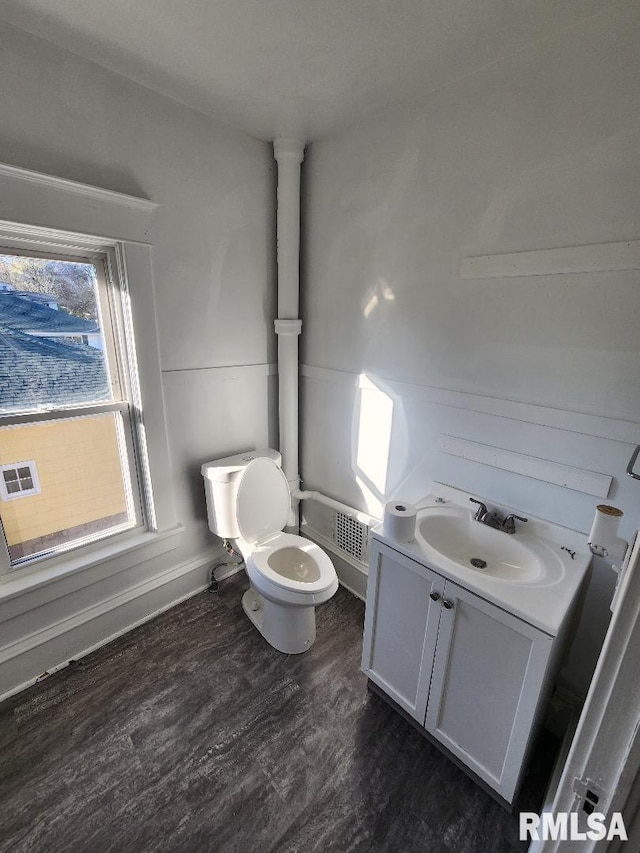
(579, 422)
(581, 445)
(52, 646)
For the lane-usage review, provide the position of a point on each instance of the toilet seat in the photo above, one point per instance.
(262, 552)
(285, 569)
(263, 500)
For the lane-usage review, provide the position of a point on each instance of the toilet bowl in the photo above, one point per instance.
(248, 500)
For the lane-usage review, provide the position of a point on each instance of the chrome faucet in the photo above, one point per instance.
(492, 519)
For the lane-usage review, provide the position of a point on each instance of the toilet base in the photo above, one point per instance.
(291, 630)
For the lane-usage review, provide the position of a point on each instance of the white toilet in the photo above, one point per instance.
(248, 500)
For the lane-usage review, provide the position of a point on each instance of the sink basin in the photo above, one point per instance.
(454, 534)
(533, 574)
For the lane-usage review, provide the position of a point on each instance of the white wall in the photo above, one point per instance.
(213, 265)
(537, 151)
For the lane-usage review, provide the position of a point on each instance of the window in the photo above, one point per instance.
(18, 480)
(69, 403)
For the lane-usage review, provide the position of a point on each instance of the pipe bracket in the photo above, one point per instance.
(293, 148)
(288, 327)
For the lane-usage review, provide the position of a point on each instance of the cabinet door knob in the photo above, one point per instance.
(434, 596)
(448, 605)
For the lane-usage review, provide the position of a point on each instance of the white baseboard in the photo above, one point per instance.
(227, 570)
(352, 589)
(50, 633)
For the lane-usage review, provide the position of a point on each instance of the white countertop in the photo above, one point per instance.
(545, 602)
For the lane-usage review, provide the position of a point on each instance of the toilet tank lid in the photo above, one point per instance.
(221, 469)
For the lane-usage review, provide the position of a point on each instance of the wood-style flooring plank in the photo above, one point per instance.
(191, 733)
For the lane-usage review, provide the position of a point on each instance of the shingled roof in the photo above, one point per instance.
(18, 312)
(36, 296)
(39, 371)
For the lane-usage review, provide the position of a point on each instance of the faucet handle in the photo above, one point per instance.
(509, 524)
(482, 509)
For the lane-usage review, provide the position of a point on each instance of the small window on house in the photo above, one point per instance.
(18, 480)
(68, 404)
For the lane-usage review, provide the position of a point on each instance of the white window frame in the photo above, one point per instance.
(22, 493)
(40, 211)
(119, 345)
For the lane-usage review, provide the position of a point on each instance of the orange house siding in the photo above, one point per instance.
(80, 473)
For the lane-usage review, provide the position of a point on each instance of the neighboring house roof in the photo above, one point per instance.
(36, 297)
(36, 371)
(16, 312)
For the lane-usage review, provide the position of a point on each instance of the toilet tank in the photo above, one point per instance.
(221, 480)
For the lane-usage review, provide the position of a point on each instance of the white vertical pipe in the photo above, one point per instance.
(288, 154)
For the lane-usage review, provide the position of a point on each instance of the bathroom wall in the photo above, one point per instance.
(214, 278)
(534, 152)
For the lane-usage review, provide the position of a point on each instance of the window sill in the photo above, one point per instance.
(114, 556)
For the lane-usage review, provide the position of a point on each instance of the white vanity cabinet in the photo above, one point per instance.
(472, 674)
(404, 601)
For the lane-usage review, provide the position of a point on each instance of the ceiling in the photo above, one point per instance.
(295, 67)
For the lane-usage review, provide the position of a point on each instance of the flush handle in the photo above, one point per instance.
(448, 605)
(434, 596)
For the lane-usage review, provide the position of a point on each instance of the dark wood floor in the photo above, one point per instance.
(190, 733)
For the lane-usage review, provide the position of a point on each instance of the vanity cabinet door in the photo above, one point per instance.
(488, 676)
(401, 627)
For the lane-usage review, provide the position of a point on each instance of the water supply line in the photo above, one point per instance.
(288, 154)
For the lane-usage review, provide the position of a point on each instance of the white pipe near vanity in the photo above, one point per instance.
(363, 517)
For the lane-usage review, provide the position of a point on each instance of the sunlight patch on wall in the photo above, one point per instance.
(381, 292)
(373, 504)
(375, 421)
